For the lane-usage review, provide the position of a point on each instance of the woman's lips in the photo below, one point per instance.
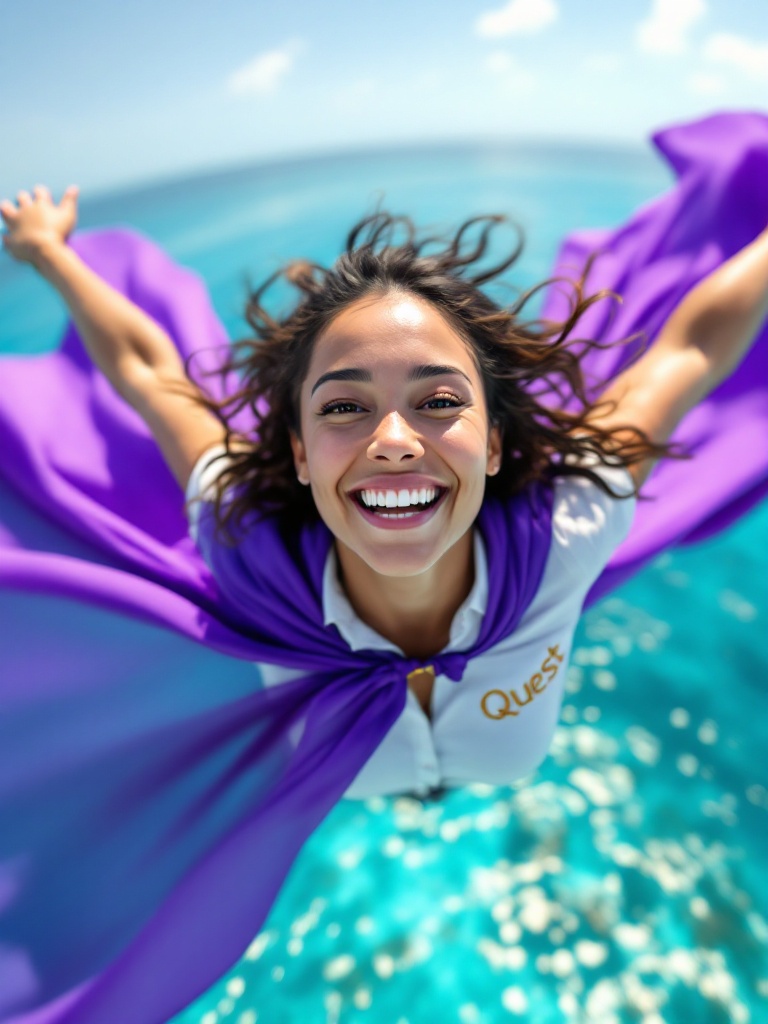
(399, 518)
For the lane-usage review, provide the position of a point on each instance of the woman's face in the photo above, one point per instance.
(395, 437)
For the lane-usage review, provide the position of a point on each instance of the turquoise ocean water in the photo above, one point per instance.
(625, 881)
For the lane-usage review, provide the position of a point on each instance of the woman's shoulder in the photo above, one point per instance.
(588, 523)
(206, 470)
(201, 485)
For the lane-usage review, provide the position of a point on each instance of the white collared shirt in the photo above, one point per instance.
(496, 725)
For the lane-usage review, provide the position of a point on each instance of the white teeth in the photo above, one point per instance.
(398, 499)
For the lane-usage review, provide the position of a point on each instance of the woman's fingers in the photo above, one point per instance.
(8, 211)
(30, 222)
(42, 194)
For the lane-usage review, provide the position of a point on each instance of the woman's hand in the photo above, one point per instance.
(36, 224)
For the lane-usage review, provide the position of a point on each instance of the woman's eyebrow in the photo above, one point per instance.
(435, 370)
(361, 376)
(364, 376)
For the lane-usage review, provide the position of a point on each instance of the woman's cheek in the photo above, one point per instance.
(325, 454)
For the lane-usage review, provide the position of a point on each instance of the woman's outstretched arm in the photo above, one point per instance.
(700, 345)
(133, 352)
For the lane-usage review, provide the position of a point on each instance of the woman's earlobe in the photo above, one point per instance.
(494, 452)
(299, 459)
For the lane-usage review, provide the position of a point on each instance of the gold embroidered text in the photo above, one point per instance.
(497, 704)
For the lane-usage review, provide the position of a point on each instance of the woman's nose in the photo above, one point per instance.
(395, 439)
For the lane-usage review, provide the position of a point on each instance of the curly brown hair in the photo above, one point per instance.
(512, 355)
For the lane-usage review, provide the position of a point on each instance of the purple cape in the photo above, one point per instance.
(151, 801)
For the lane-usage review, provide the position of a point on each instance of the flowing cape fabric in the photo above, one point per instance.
(151, 801)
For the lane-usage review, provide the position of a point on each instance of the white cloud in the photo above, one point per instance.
(748, 57)
(667, 28)
(263, 74)
(703, 84)
(518, 17)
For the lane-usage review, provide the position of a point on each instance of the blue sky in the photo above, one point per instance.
(105, 94)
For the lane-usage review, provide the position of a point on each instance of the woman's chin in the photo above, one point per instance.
(395, 560)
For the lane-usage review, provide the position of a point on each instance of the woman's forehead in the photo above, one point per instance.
(397, 327)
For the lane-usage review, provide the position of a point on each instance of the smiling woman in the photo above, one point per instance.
(400, 497)
(397, 384)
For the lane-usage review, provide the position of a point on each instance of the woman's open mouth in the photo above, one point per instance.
(401, 507)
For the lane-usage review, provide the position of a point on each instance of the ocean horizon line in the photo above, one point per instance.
(490, 145)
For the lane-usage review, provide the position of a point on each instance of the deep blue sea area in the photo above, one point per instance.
(625, 881)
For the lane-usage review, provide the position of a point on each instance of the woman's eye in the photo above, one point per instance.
(437, 403)
(340, 407)
(444, 402)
